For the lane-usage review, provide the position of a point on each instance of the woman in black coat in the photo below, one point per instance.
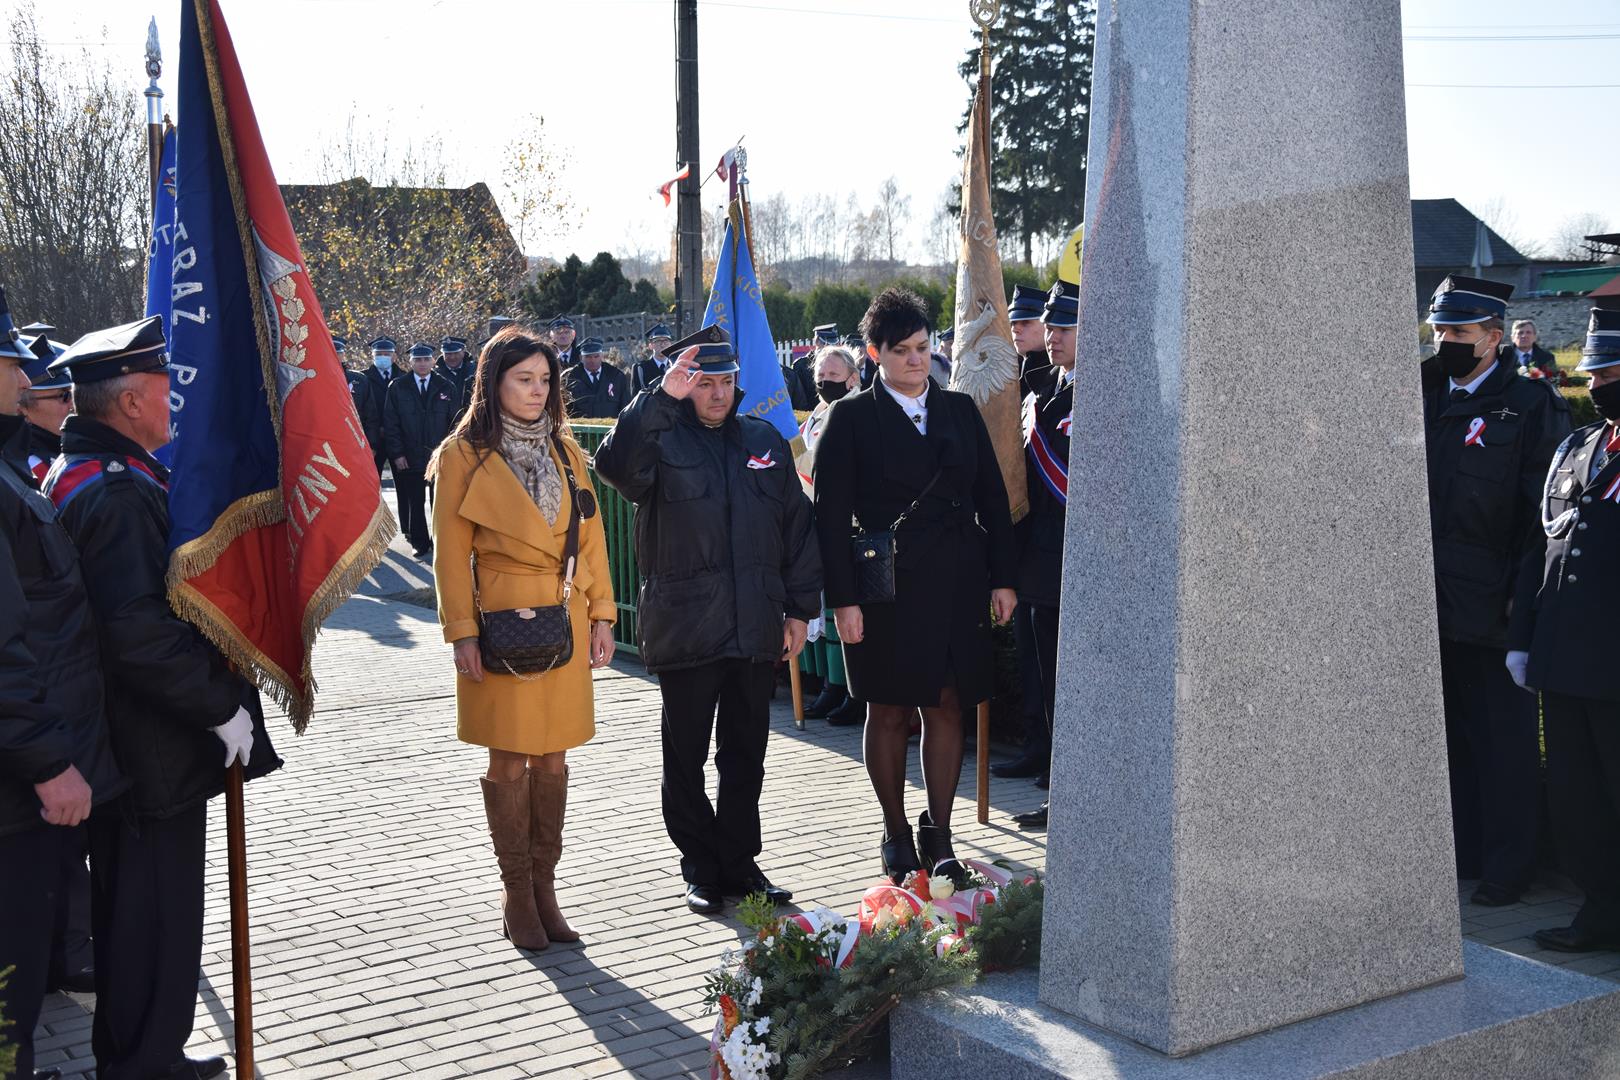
(955, 560)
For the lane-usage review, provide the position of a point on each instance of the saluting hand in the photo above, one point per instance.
(851, 624)
(65, 798)
(682, 375)
(1002, 602)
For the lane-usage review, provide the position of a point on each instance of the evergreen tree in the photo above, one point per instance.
(1040, 102)
(598, 287)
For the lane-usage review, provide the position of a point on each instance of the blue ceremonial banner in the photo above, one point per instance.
(225, 425)
(735, 303)
(160, 278)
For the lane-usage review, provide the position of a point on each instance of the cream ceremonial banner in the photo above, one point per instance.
(984, 363)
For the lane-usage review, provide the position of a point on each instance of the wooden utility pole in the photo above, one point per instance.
(688, 205)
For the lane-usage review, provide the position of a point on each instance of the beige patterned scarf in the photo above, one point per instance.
(527, 448)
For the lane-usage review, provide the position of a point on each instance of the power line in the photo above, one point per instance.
(1511, 86)
(1496, 39)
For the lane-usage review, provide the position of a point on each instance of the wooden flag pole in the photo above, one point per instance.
(241, 954)
(981, 754)
(984, 13)
(798, 693)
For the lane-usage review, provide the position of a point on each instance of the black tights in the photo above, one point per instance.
(887, 731)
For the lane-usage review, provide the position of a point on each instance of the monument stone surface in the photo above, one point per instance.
(1250, 822)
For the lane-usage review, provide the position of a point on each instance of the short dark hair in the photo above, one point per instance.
(896, 314)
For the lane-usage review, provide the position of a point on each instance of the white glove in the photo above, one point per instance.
(1517, 662)
(237, 735)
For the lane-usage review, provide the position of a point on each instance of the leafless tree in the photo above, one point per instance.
(75, 208)
(1570, 242)
(893, 210)
(1504, 221)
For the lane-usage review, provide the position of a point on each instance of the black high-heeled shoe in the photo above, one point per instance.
(899, 856)
(934, 844)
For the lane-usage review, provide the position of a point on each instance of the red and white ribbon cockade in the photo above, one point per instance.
(1476, 432)
(763, 461)
(1613, 493)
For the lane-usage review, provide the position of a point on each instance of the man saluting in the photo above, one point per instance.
(730, 577)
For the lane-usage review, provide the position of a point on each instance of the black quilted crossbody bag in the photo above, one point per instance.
(874, 555)
(534, 640)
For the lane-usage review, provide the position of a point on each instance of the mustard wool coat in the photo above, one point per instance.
(485, 509)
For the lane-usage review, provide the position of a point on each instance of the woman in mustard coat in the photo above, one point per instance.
(502, 500)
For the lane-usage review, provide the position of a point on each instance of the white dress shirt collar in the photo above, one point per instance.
(1471, 387)
(915, 408)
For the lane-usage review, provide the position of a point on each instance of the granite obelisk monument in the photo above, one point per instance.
(1249, 863)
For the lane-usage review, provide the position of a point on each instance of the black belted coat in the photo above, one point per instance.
(871, 464)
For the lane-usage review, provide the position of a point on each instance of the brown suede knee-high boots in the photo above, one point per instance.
(506, 805)
(548, 801)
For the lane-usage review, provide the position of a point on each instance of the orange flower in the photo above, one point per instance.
(729, 1016)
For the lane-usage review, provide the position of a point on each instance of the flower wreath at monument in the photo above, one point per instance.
(805, 991)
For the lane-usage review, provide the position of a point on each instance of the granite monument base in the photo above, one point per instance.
(1508, 1018)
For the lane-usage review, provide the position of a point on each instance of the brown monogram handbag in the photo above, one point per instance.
(534, 640)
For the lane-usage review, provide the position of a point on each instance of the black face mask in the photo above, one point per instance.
(1456, 358)
(831, 391)
(1606, 400)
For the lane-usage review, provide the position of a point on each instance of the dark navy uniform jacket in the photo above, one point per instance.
(1487, 459)
(1564, 618)
(167, 685)
(1046, 417)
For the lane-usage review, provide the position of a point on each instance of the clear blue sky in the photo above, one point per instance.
(801, 78)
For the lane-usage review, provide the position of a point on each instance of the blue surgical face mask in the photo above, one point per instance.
(384, 362)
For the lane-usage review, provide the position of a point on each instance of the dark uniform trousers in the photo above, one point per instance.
(1037, 722)
(1494, 758)
(1043, 620)
(147, 915)
(1583, 785)
(28, 912)
(411, 491)
(731, 699)
(70, 948)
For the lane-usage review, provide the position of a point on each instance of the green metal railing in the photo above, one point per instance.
(619, 522)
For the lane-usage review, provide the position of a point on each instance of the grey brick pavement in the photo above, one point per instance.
(374, 894)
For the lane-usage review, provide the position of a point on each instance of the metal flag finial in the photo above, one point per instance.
(984, 12)
(154, 55)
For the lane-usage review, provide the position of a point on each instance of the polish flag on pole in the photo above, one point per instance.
(728, 171)
(667, 186)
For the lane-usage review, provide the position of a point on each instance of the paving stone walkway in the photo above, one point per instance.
(376, 931)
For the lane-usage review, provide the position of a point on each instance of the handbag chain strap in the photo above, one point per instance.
(921, 495)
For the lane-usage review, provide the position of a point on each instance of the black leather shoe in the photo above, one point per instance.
(852, 711)
(757, 883)
(1033, 819)
(1022, 767)
(704, 899)
(47, 1074)
(201, 1068)
(82, 981)
(934, 847)
(1576, 939)
(1490, 894)
(1044, 780)
(829, 699)
(899, 856)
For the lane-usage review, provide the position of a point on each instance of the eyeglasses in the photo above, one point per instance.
(56, 395)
